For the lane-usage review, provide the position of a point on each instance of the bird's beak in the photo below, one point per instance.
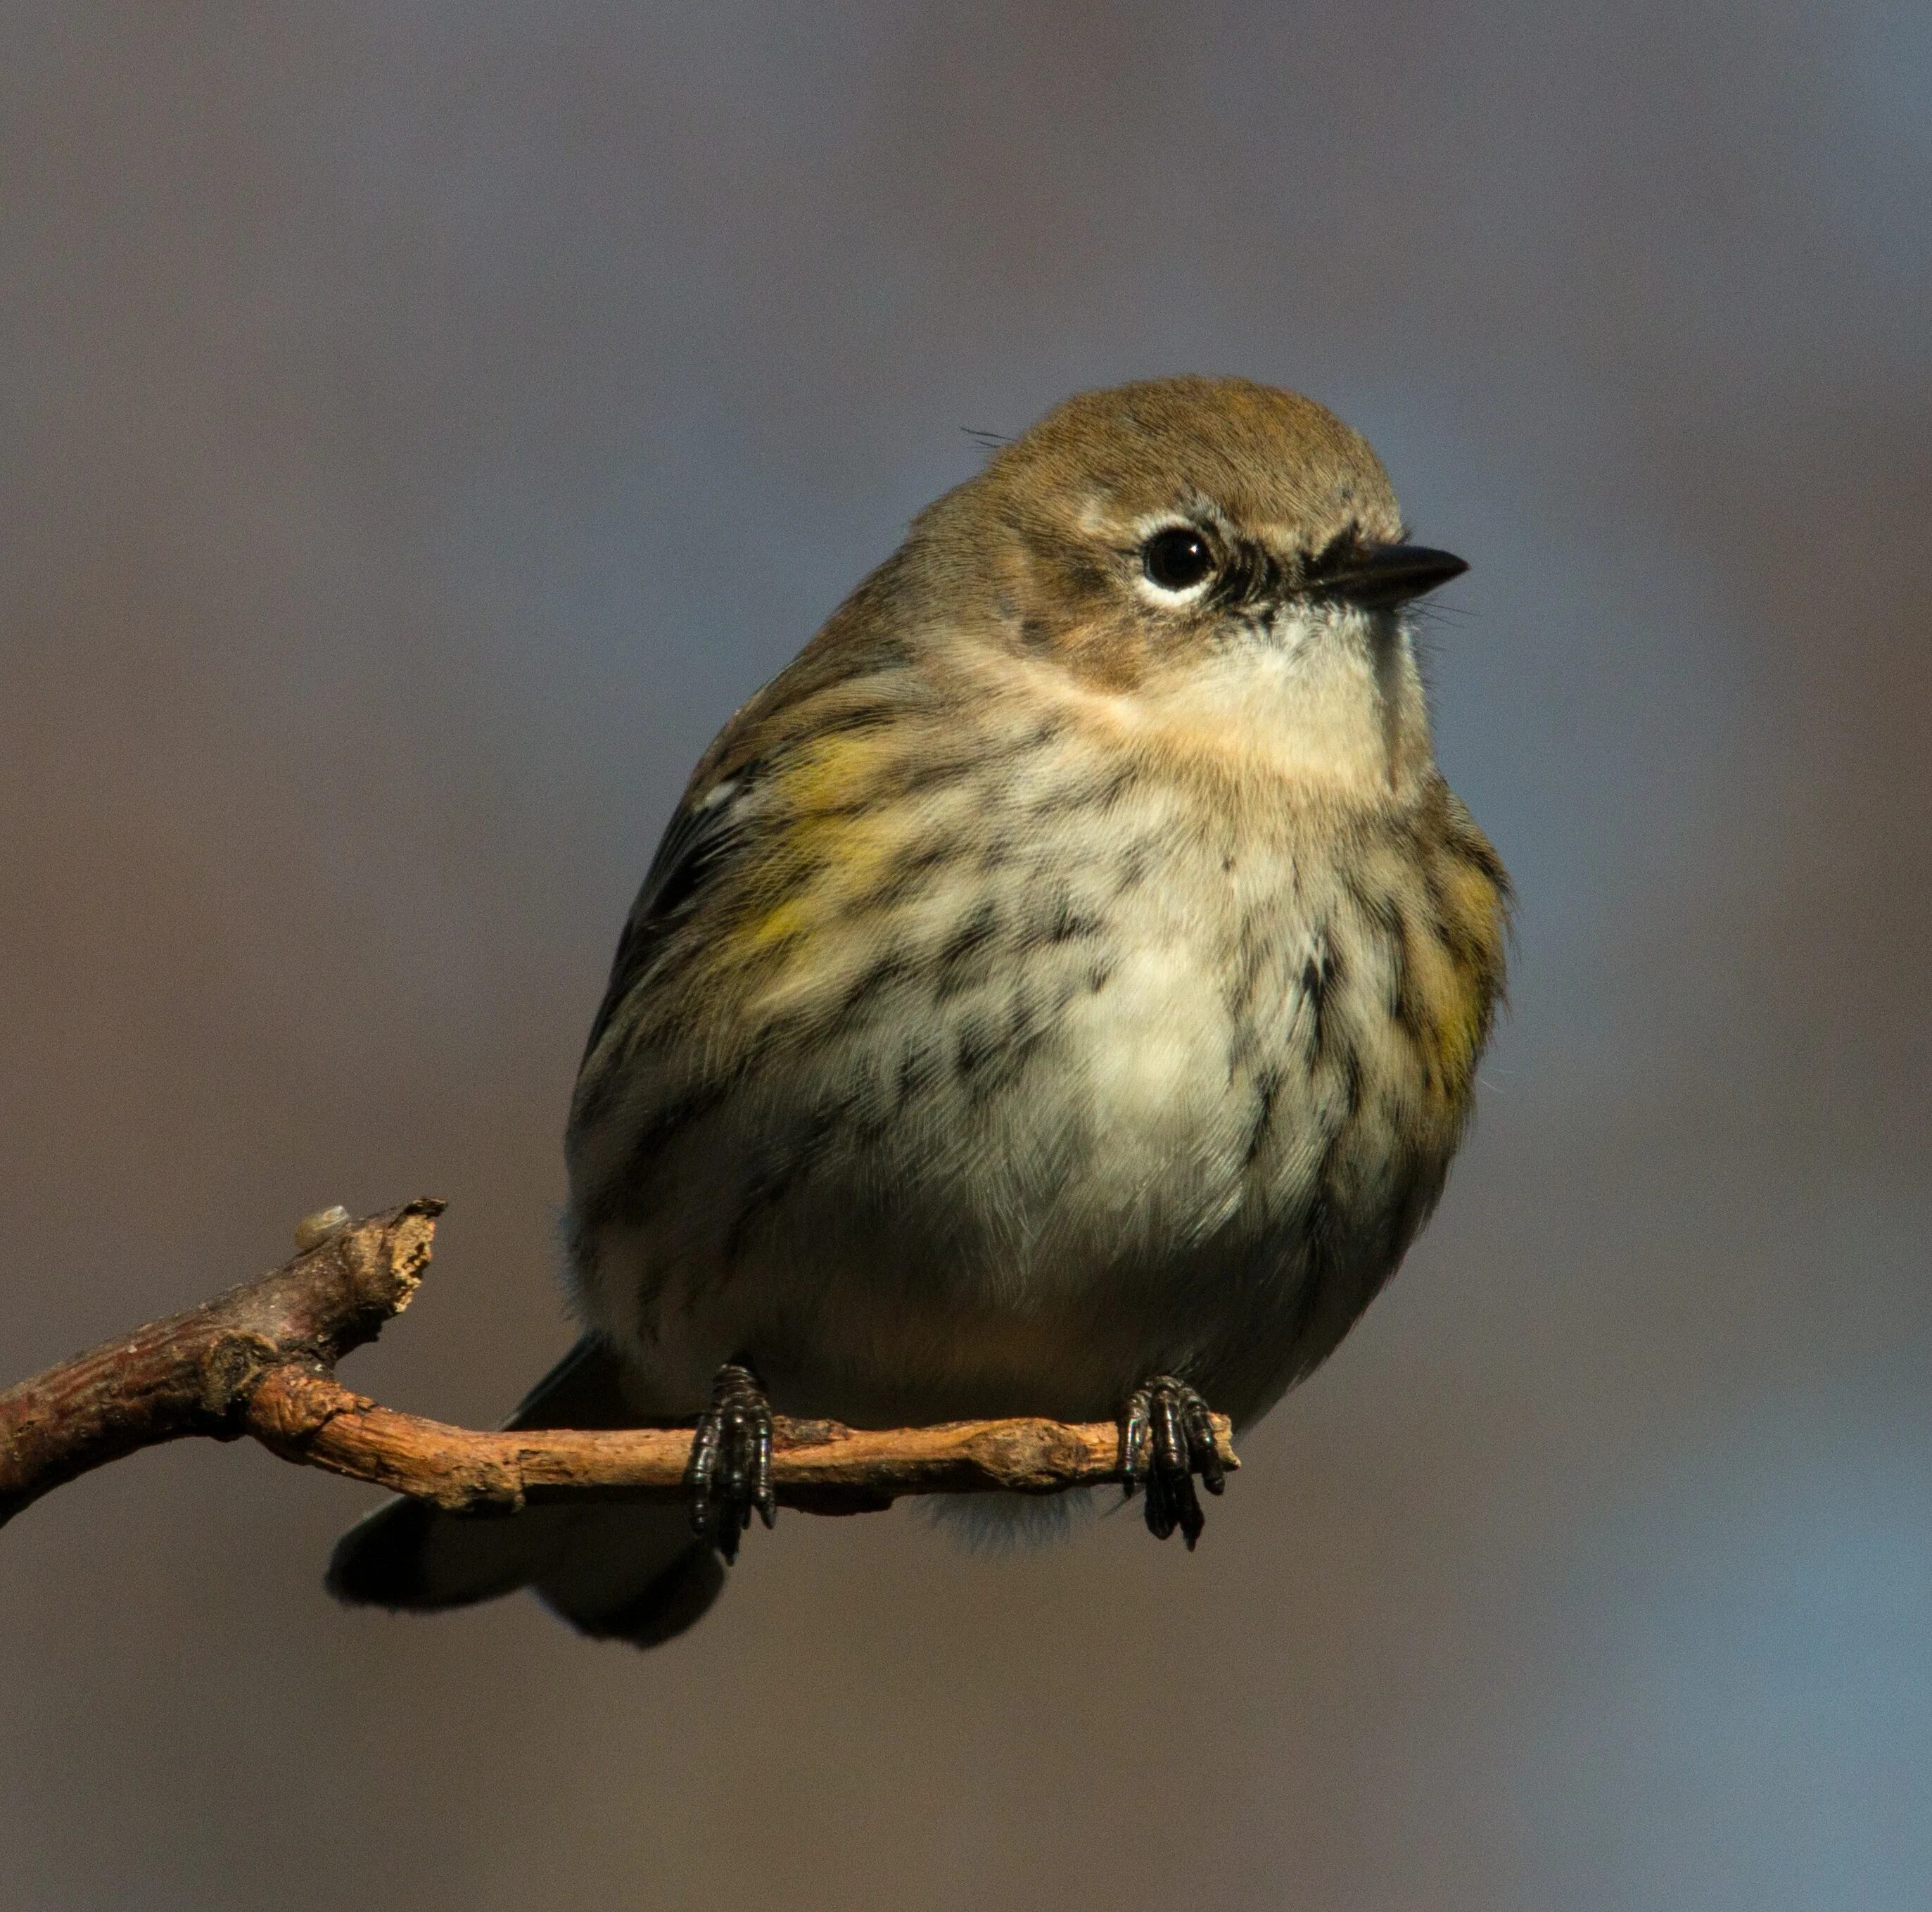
(1380, 577)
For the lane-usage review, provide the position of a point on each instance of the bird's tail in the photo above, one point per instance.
(615, 1572)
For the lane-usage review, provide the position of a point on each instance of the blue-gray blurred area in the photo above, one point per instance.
(423, 425)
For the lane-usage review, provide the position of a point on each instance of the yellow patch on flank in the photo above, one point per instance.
(1474, 903)
(1452, 977)
(1460, 1028)
(777, 925)
(832, 770)
(823, 853)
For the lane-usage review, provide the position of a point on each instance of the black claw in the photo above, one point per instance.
(1133, 1442)
(730, 1471)
(763, 1496)
(1133, 1431)
(1160, 1508)
(1166, 1437)
(1207, 1456)
(1192, 1518)
(702, 1470)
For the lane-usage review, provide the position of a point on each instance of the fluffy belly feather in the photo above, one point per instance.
(1177, 1104)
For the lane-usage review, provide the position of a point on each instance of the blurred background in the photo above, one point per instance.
(423, 426)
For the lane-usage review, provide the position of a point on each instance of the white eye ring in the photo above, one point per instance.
(1177, 563)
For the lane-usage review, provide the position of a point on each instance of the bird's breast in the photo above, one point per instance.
(1059, 1066)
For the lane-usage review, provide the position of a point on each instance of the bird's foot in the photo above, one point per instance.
(1166, 1438)
(729, 1472)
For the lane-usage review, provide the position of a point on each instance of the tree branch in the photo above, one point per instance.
(259, 1360)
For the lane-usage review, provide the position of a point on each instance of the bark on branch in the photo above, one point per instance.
(260, 1360)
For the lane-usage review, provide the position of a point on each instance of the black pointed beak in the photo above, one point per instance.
(1380, 577)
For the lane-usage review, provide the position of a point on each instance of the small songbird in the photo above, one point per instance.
(1059, 992)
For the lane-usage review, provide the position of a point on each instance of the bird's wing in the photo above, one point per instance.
(840, 683)
(696, 846)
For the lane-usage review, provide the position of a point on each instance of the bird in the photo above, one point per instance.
(1059, 991)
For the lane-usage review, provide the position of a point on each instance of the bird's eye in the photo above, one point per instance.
(1176, 559)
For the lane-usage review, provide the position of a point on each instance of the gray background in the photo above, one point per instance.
(422, 425)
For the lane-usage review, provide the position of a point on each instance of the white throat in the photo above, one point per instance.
(1333, 695)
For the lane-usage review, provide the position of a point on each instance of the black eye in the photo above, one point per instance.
(1176, 559)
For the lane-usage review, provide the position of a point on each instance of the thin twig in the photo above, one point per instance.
(260, 1360)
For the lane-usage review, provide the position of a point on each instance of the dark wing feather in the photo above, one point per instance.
(853, 673)
(696, 844)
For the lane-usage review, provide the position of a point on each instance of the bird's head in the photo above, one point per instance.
(1203, 552)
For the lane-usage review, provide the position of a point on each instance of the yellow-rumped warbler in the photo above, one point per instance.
(1059, 991)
